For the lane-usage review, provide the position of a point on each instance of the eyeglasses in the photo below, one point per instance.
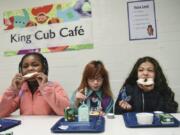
(96, 79)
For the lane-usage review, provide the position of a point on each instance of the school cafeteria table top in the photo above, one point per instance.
(41, 125)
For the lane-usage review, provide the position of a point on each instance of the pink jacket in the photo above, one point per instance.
(49, 99)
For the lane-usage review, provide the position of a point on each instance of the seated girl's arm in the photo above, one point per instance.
(166, 102)
(56, 97)
(77, 98)
(118, 110)
(171, 105)
(107, 104)
(9, 102)
(74, 101)
(122, 104)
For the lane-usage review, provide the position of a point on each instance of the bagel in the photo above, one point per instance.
(145, 81)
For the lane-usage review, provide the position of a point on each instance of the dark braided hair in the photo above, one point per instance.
(42, 59)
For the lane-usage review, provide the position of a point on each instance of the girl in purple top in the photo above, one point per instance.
(94, 89)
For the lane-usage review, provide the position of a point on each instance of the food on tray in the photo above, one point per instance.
(69, 114)
(94, 113)
(166, 118)
(144, 118)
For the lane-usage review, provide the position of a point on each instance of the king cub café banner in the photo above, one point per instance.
(48, 28)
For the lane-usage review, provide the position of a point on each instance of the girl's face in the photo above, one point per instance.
(95, 83)
(31, 64)
(146, 70)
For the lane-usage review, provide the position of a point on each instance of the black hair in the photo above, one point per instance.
(160, 79)
(42, 59)
(161, 84)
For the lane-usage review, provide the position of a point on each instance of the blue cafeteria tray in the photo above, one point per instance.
(131, 121)
(8, 123)
(95, 125)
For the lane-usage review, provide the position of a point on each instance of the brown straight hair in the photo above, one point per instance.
(94, 70)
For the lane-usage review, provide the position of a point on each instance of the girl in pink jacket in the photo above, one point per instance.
(31, 92)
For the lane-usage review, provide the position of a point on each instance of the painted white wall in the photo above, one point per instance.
(111, 45)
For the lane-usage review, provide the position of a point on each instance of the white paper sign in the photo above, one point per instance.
(142, 20)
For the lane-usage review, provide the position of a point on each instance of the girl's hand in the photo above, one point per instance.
(101, 113)
(80, 96)
(17, 82)
(41, 78)
(125, 105)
